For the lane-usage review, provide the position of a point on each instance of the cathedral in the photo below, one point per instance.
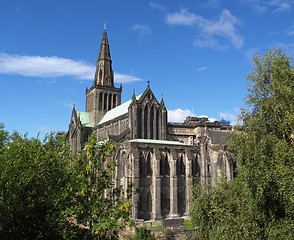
(161, 158)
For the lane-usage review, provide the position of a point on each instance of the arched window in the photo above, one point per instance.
(164, 165)
(109, 101)
(139, 124)
(105, 101)
(100, 75)
(100, 100)
(195, 166)
(157, 125)
(141, 164)
(148, 165)
(146, 122)
(182, 166)
(114, 101)
(151, 121)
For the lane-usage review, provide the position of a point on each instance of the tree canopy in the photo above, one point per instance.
(259, 203)
(48, 193)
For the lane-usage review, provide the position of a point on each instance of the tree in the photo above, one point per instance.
(33, 178)
(259, 203)
(98, 209)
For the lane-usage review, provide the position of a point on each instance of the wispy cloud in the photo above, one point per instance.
(67, 104)
(261, 7)
(200, 69)
(45, 129)
(124, 78)
(184, 17)
(290, 31)
(141, 29)
(52, 67)
(157, 6)
(213, 32)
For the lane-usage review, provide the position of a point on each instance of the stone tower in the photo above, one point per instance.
(103, 95)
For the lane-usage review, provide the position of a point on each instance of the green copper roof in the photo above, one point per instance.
(85, 118)
(157, 141)
(117, 111)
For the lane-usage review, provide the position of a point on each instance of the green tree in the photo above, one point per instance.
(98, 209)
(259, 203)
(33, 178)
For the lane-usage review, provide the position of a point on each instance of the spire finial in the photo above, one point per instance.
(105, 26)
(148, 83)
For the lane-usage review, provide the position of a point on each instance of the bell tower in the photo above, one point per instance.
(103, 95)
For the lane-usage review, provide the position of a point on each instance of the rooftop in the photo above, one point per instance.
(117, 111)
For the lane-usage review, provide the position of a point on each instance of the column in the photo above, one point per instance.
(189, 180)
(156, 183)
(135, 180)
(173, 186)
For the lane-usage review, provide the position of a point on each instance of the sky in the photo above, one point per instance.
(196, 53)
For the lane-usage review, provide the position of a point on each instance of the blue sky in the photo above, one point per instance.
(196, 53)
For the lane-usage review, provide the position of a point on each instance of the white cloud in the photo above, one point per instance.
(262, 6)
(124, 78)
(182, 18)
(224, 27)
(37, 66)
(141, 29)
(200, 69)
(179, 115)
(157, 6)
(52, 67)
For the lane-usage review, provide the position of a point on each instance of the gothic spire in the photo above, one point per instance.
(104, 73)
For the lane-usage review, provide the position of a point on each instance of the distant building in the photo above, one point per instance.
(161, 158)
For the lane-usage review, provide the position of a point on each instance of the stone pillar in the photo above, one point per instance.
(189, 180)
(202, 164)
(173, 186)
(156, 183)
(135, 180)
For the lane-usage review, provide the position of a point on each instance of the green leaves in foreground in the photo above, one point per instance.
(46, 193)
(259, 203)
(33, 179)
(99, 208)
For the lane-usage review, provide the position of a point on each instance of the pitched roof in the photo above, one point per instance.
(85, 118)
(217, 136)
(117, 111)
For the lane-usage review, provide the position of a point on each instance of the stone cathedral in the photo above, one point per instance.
(159, 157)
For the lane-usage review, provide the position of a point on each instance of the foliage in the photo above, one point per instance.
(259, 203)
(142, 233)
(3, 135)
(33, 178)
(98, 208)
(168, 235)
